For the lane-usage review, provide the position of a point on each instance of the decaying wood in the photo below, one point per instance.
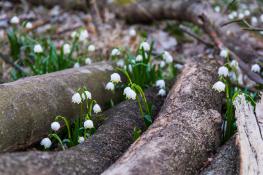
(92, 157)
(249, 138)
(225, 162)
(29, 105)
(185, 131)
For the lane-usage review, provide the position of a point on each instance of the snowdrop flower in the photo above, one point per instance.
(115, 78)
(178, 66)
(46, 142)
(145, 46)
(132, 32)
(129, 93)
(76, 98)
(217, 9)
(254, 21)
(86, 93)
(38, 48)
(91, 48)
(88, 61)
(160, 84)
(55, 126)
(88, 124)
(234, 64)
(168, 57)
(110, 86)
(224, 53)
(81, 140)
(115, 52)
(162, 92)
(83, 35)
(29, 25)
(139, 58)
(255, 68)
(219, 86)
(96, 108)
(14, 20)
(247, 13)
(162, 64)
(120, 63)
(76, 65)
(241, 15)
(261, 18)
(223, 71)
(66, 48)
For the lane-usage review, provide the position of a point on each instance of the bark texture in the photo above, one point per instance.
(185, 131)
(109, 142)
(29, 105)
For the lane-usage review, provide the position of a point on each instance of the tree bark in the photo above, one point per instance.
(185, 131)
(109, 142)
(29, 105)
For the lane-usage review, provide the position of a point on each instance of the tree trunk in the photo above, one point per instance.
(185, 131)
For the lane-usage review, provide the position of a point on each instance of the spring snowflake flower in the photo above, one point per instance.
(14, 20)
(120, 63)
(110, 86)
(219, 86)
(88, 124)
(83, 35)
(234, 13)
(76, 65)
(91, 48)
(38, 48)
(88, 61)
(162, 92)
(132, 32)
(178, 66)
(162, 64)
(115, 52)
(230, 16)
(46, 142)
(255, 68)
(241, 15)
(81, 140)
(129, 93)
(86, 93)
(96, 108)
(232, 76)
(261, 18)
(223, 71)
(76, 98)
(145, 46)
(55, 126)
(217, 9)
(115, 78)
(254, 21)
(74, 34)
(139, 58)
(168, 57)
(247, 13)
(29, 25)
(160, 84)
(234, 64)
(66, 48)
(224, 53)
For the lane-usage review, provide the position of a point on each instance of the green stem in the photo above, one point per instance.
(58, 139)
(140, 106)
(66, 123)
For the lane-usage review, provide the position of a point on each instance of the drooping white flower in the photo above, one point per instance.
(217, 9)
(46, 142)
(223, 71)
(81, 140)
(224, 53)
(232, 76)
(132, 32)
(168, 57)
(91, 48)
(129, 93)
(120, 63)
(83, 35)
(74, 34)
(160, 84)
(146, 46)
(110, 86)
(219, 86)
(115, 52)
(115, 78)
(139, 58)
(76, 65)
(38, 48)
(162, 92)
(241, 15)
(96, 108)
(247, 13)
(88, 61)
(234, 64)
(88, 124)
(29, 25)
(76, 98)
(255, 68)
(178, 66)
(86, 93)
(14, 20)
(261, 18)
(234, 13)
(66, 48)
(55, 126)
(230, 16)
(130, 67)
(162, 64)
(254, 20)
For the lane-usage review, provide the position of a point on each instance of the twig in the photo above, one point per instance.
(15, 66)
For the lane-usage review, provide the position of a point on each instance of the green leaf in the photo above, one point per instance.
(148, 120)
(136, 133)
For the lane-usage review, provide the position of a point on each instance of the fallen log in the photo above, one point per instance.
(29, 105)
(226, 160)
(249, 137)
(185, 131)
(92, 157)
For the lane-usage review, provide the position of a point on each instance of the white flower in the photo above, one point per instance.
(217, 9)
(223, 71)
(219, 86)
(162, 92)
(168, 57)
(46, 142)
(132, 32)
(91, 48)
(139, 58)
(38, 48)
(130, 67)
(86, 93)
(254, 21)
(232, 76)
(29, 25)
(120, 63)
(81, 140)
(55, 126)
(160, 84)
(255, 68)
(162, 64)
(241, 15)
(76, 65)
(129, 93)
(115, 52)
(224, 53)
(14, 20)
(178, 66)
(145, 46)
(234, 64)
(83, 35)
(247, 12)
(88, 61)
(66, 48)
(110, 86)
(234, 13)
(88, 124)
(261, 18)
(74, 34)
(115, 78)
(96, 108)
(230, 16)
(76, 98)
